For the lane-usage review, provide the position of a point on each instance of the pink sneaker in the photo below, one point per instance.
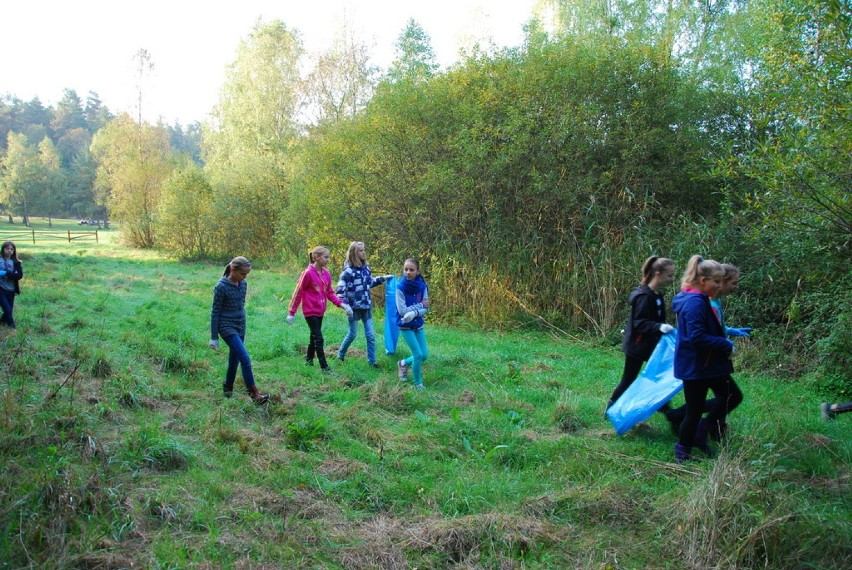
(403, 370)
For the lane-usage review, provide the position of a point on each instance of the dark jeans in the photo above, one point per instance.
(7, 302)
(316, 346)
(238, 356)
(727, 396)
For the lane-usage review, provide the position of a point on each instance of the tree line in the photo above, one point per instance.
(532, 181)
(47, 167)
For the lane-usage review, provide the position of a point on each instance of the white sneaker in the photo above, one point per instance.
(403, 371)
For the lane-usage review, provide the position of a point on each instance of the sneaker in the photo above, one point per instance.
(309, 362)
(402, 368)
(374, 365)
(340, 358)
(329, 372)
(227, 392)
(420, 387)
(826, 412)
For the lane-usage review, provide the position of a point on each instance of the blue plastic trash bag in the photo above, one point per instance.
(391, 330)
(655, 386)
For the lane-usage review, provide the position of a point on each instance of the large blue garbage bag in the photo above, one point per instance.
(391, 330)
(655, 386)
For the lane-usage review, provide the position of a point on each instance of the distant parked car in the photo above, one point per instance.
(84, 221)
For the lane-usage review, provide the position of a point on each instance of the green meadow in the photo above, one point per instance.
(119, 451)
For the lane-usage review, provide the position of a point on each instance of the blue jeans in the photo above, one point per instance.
(365, 315)
(7, 302)
(416, 341)
(238, 356)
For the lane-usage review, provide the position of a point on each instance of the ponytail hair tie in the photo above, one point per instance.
(700, 259)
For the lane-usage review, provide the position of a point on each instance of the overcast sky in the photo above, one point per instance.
(47, 46)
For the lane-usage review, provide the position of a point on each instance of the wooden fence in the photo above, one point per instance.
(47, 234)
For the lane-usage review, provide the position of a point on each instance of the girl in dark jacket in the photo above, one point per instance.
(228, 320)
(647, 320)
(11, 272)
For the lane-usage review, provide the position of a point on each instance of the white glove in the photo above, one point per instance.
(387, 277)
(291, 319)
(214, 344)
(666, 328)
(409, 316)
(346, 309)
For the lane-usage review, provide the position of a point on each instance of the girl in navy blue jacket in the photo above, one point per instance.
(702, 354)
(228, 320)
(412, 302)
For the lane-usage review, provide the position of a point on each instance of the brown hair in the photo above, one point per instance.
(236, 263)
(729, 271)
(414, 261)
(652, 265)
(14, 249)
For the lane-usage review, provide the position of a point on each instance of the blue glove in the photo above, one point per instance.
(2, 272)
(739, 331)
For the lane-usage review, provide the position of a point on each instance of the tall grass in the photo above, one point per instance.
(118, 449)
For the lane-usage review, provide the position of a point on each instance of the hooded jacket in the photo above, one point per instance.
(14, 273)
(410, 294)
(354, 286)
(702, 351)
(647, 312)
(313, 291)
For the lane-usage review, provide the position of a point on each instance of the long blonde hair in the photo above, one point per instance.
(352, 254)
(698, 267)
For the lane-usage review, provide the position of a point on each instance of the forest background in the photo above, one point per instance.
(531, 181)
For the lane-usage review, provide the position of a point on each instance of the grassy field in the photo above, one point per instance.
(119, 451)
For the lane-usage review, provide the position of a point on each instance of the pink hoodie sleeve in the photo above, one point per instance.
(296, 299)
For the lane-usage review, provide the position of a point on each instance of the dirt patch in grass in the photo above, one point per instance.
(341, 467)
(466, 398)
(491, 535)
(105, 561)
(582, 507)
(379, 544)
(388, 395)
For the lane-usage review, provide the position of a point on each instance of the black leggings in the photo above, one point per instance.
(316, 346)
(727, 396)
(632, 366)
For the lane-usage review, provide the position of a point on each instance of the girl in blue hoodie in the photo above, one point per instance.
(412, 302)
(702, 354)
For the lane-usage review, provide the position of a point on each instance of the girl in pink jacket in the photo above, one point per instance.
(313, 291)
